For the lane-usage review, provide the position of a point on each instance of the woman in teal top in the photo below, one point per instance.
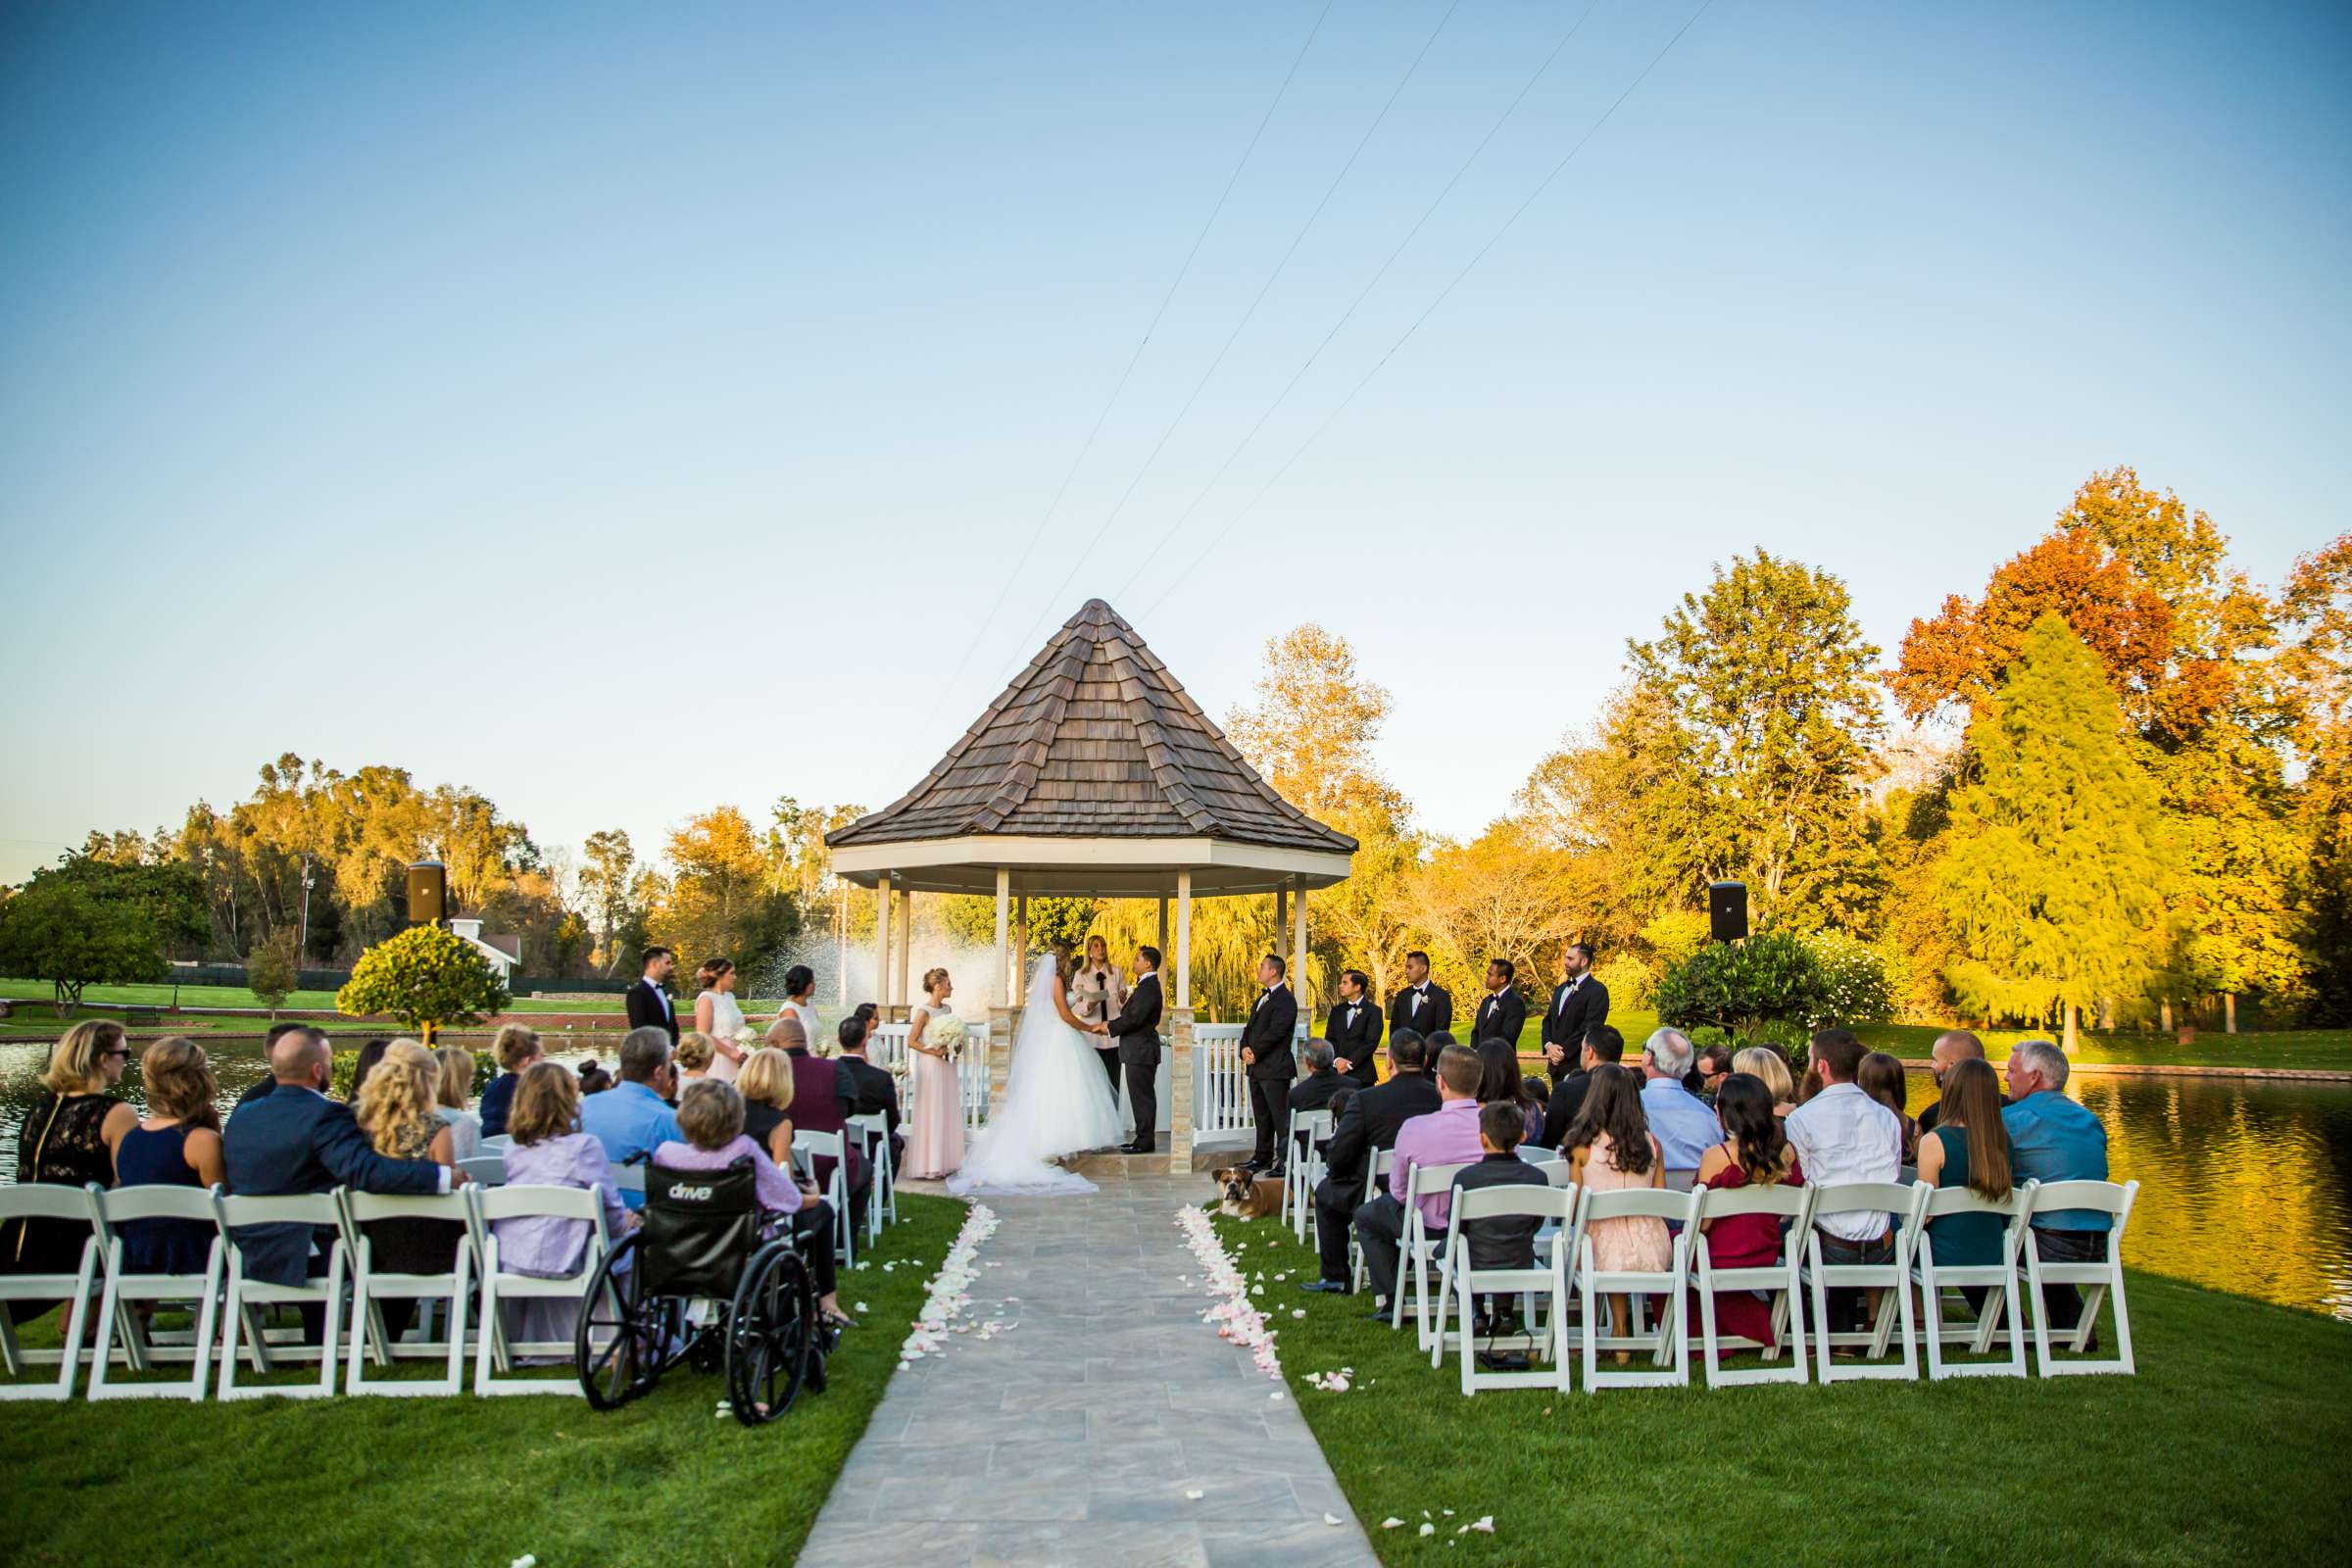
(1967, 1147)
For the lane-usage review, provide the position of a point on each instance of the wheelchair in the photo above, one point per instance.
(698, 1283)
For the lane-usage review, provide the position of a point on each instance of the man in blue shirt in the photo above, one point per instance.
(2053, 1139)
(1685, 1128)
(630, 1118)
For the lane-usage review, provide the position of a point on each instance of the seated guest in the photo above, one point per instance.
(767, 1083)
(693, 1059)
(594, 1080)
(1951, 1048)
(1445, 1136)
(1754, 1153)
(870, 1090)
(1768, 1066)
(1968, 1146)
(515, 1049)
(817, 1107)
(1538, 1093)
(395, 1109)
(1685, 1128)
(369, 1054)
(265, 1083)
(1881, 1077)
(1499, 1241)
(633, 1116)
(2052, 1139)
(296, 1141)
(1367, 1124)
(548, 1151)
(1603, 1046)
(1612, 1149)
(710, 1122)
(68, 1138)
(1314, 1091)
(176, 1143)
(451, 1090)
(1713, 1063)
(1499, 1084)
(1843, 1134)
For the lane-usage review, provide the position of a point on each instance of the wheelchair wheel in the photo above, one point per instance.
(623, 1342)
(769, 1333)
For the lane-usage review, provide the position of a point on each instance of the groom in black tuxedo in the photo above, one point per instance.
(1137, 1030)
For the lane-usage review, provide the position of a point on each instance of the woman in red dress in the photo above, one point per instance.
(1756, 1150)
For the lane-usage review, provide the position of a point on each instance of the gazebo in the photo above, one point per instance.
(1094, 774)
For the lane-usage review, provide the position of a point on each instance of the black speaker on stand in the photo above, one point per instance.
(1727, 910)
(428, 893)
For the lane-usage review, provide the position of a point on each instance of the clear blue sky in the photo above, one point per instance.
(464, 387)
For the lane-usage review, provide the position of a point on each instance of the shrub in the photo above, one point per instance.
(1856, 987)
(271, 972)
(1770, 987)
(424, 975)
(347, 1064)
(1632, 982)
(1675, 936)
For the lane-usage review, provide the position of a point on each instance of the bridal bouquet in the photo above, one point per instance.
(947, 1033)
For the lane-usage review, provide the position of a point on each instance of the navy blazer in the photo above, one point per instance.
(296, 1141)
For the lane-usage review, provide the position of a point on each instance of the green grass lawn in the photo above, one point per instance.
(466, 1480)
(2228, 1447)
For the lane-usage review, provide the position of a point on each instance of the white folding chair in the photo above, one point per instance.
(46, 1201)
(1376, 1166)
(493, 1349)
(245, 1295)
(369, 1284)
(1890, 1279)
(1793, 1208)
(805, 1148)
(1680, 1181)
(496, 1143)
(202, 1290)
(1997, 1280)
(1459, 1286)
(1303, 1168)
(1665, 1342)
(882, 1200)
(2104, 1277)
(1419, 1251)
(484, 1171)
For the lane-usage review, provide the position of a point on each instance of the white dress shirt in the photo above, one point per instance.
(1843, 1134)
(1570, 991)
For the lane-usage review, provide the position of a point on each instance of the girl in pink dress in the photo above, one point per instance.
(935, 1127)
(1612, 1151)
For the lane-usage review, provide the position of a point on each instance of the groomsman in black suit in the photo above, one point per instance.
(1266, 1058)
(1353, 1028)
(1137, 1031)
(649, 999)
(1504, 1011)
(1421, 1007)
(1578, 1002)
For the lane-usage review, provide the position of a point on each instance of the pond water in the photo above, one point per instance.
(2245, 1184)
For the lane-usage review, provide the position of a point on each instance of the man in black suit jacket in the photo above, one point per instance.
(1137, 1030)
(649, 999)
(866, 1090)
(1578, 1002)
(1422, 1006)
(1266, 1060)
(1504, 1013)
(1368, 1125)
(1602, 1043)
(1354, 1029)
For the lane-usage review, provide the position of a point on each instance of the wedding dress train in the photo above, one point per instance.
(1056, 1102)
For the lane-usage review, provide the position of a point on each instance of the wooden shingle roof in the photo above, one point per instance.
(1094, 739)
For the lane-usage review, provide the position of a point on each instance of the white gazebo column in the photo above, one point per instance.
(905, 947)
(1282, 931)
(1299, 955)
(881, 947)
(1179, 1028)
(1184, 939)
(1162, 942)
(1020, 954)
(1003, 949)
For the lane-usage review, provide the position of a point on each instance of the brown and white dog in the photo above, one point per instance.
(1246, 1197)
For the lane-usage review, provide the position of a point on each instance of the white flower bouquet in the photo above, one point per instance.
(946, 1033)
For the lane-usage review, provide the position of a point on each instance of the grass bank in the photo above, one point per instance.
(410, 1482)
(2228, 1447)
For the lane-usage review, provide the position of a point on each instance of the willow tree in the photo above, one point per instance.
(2054, 874)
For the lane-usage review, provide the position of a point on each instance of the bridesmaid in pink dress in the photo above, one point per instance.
(935, 1128)
(1613, 1150)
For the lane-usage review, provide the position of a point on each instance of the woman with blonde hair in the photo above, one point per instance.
(69, 1136)
(695, 1053)
(451, 1090)
(1768, 1064)
(718, 1017)
(766, 1084)
(176, 1143)
(394, 1108)
(548, 1150)
(1098, 990)
(935, 1125)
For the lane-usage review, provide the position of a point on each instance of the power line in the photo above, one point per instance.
(1361, 295)
(1120, 386)
(1442, 294)
(1363, 141)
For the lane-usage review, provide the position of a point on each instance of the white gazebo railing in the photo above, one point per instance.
(886, 1047)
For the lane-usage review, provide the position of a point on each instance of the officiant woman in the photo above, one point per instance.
(1098, 990)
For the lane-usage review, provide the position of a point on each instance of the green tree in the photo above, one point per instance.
(1769, 987)
(68, 932)
(607, 883)
(273, 972)
(2054, 877)
(424, 975)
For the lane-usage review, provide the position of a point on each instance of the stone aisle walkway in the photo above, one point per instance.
(1074, 1437)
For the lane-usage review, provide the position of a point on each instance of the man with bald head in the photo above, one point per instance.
(294, 1140)
(1952, 1048)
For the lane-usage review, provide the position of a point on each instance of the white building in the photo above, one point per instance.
(503, 953)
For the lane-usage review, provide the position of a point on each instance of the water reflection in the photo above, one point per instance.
(2244, 1185)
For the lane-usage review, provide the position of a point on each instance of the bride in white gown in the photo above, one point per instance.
(1057, 1100)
